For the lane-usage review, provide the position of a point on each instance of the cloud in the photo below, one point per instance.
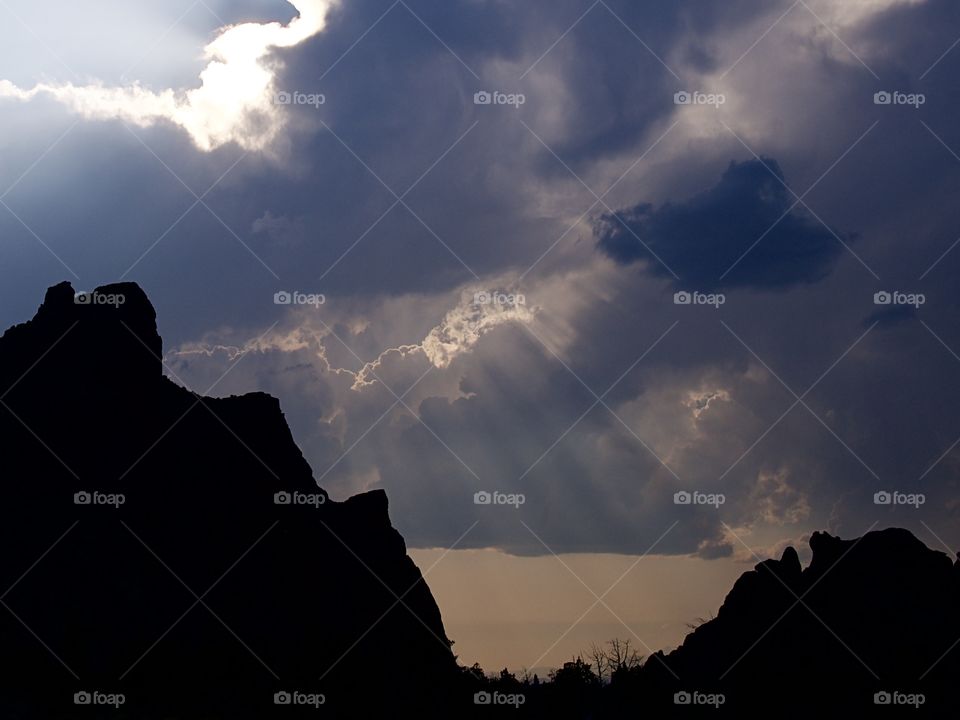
(235, 99)
(478, 312)
(852, 12)
(500, 200)
(777, 501)
(699, 401)
(711, 549)
(707, 240)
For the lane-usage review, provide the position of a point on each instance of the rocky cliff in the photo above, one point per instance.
(872, 621)
(174, 549)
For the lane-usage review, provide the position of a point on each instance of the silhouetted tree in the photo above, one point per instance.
(621, 656)
(599, 659)
(575, 674)
(474, 673)
(507, 681)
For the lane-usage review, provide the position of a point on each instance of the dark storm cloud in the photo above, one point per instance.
(400, 99)
(441, 53)
(704, 238)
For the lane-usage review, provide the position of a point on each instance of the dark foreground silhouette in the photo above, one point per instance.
(167, 555)
(869, 628)
(262, 598)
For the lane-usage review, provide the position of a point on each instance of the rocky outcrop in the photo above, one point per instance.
(149, 551)
(869, 619)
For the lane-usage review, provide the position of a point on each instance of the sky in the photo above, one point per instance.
(672, 285)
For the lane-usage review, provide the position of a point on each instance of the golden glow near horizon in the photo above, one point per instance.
(519, 612)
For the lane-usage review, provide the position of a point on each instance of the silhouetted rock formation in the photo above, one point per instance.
(878, 614)
(201, 597)
(870, 628)
(292, 597)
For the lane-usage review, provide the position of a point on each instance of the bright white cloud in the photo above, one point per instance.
(699, 401)
(234, 101)
(478, 311)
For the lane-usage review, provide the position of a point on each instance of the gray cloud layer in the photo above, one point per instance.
(497, 190)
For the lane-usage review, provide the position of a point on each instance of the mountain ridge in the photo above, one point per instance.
(867, 618)
(216, 497)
